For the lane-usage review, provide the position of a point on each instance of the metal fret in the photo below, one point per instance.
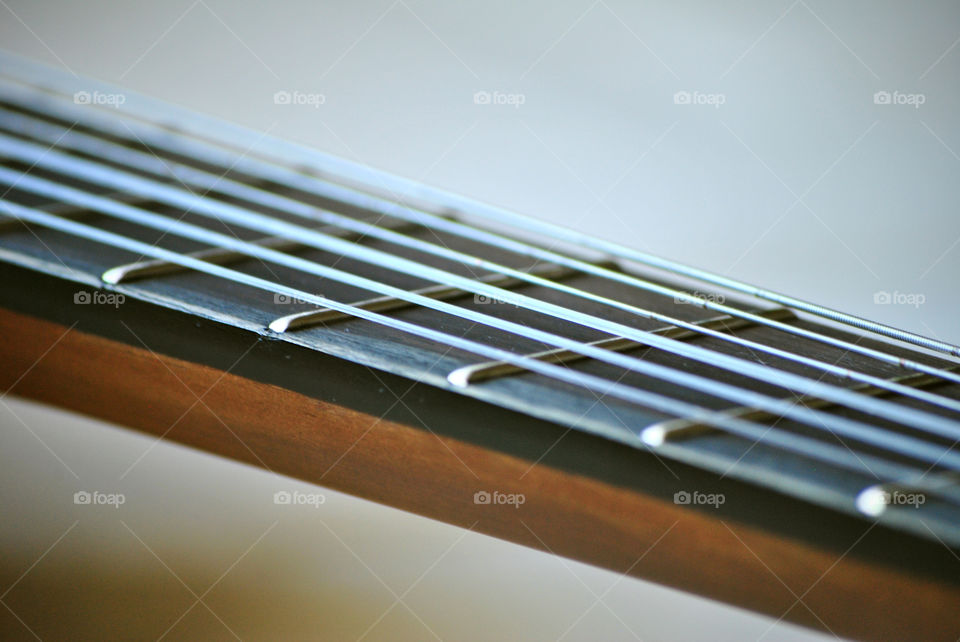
(154, 268)
(679, 429)
(493, 369)
(309, 318)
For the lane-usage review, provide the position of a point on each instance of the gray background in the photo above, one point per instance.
(799, 182)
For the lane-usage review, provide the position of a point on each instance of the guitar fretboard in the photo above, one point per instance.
(149, 202)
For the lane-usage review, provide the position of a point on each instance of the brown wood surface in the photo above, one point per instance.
(417, 471)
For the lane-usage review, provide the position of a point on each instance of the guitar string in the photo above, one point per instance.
(845, 458)
(444, 224)
(893, 442)
(124, 156)
(204, 128)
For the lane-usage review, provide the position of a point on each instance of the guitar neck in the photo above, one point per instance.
(365, 332)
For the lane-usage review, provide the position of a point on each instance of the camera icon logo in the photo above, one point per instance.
(481, 497)
(882, 98)
(82, 298)
(82, 98)
(81, 497)
(682, 98)
(281, 299)
(481, 98)
(681, 497)
(282, 497)
(882, 298)
(282, 98)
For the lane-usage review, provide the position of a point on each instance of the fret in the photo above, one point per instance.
(678, 429)
(476, 373)
(219, 256)
(310, 318)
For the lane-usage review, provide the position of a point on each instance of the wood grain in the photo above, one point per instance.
(418, 471)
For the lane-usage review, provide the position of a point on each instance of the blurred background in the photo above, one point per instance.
(808, 147)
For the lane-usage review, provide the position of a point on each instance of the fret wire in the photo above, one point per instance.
(443, 223)
(492, 369)
(152, 268)
(314, 317)
(907, 446)
(839, 456)
(279, 153)
(672, 429)
(108, 177)
(207, 181)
